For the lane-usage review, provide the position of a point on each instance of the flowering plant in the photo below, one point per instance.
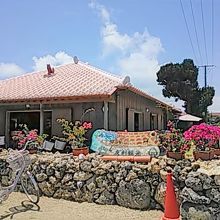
(74, 132)
(25, 135)
(204, 136)
(173, 140)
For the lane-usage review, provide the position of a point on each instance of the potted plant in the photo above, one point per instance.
(215, 130)
(203, 153)
(216, 149)
(41, 138)
(205, 137)
(59, 143)
(74, 133)
(28, 138)
(32, 147)
(172, 140)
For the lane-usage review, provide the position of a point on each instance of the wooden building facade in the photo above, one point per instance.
(117, 104)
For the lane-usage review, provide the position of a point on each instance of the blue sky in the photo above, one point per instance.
(126, 37)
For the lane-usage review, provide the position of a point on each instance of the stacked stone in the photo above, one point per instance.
(91, 179)
(133, 185)
(201, 194)
(197, 188)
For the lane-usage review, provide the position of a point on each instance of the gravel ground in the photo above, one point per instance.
(18, 208)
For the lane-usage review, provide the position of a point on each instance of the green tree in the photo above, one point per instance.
(205, 98)
(181, 82)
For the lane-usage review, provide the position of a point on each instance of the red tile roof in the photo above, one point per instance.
(70, 80)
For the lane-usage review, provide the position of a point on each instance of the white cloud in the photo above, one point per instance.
(58, 59)
(137, 54)
(113, 40)
(141, 70)
(103, 13)
(9, 70)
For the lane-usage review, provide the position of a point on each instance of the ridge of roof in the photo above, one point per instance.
(105, 73)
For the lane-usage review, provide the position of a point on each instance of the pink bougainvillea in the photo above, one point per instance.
(204, 136)
(25, 135)
(32, 135)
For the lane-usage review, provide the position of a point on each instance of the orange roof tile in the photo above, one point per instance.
(70, 80)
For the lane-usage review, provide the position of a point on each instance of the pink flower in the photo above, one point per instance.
(203, 135)
(87, 125)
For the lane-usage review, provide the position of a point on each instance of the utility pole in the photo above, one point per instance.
(205, 73)
(205, 81)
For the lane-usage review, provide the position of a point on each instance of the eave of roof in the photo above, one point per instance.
(92, 98)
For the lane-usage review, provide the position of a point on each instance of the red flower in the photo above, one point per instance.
(87, 125)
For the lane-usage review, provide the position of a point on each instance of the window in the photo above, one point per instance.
(134, 120)
(153, 121)
(32, 120)
(127, 109)
(47, 122)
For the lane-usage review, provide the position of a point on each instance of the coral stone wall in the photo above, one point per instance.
(132, 185)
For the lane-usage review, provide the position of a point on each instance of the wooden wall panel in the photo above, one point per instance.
(128, 99)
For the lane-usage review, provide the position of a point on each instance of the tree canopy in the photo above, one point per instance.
(181, 82)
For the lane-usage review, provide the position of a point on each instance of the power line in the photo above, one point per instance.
(210, 73)
(204, 32)
(212, 31)
(197, 39)
(187, 27)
